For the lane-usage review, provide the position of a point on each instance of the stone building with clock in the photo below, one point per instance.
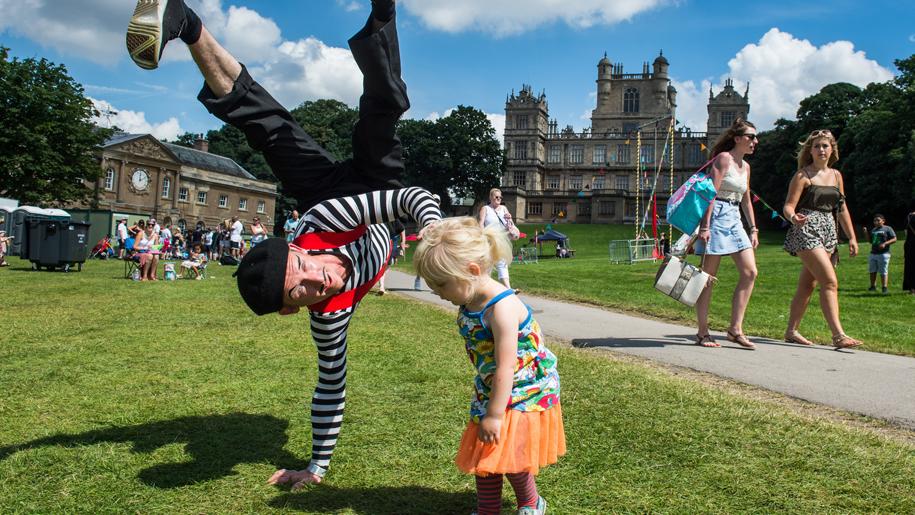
(144, 177)
(590, 176)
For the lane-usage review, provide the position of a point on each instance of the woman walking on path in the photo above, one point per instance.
(815, 193)
(721, 232)
(908, 277)
(495, 213)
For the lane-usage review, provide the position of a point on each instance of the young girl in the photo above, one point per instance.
(195, 260)
(515, 419)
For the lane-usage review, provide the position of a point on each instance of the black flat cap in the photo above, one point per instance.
(261, 275)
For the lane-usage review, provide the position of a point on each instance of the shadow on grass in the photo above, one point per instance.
(215, 443)
(380, 500)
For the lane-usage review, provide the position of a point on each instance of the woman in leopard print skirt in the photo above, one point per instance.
(815, 193)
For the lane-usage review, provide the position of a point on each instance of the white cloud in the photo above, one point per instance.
(349, 5)
(92, 29)
(134, 122)
(782, 70)
(294, 71)
(508, 17)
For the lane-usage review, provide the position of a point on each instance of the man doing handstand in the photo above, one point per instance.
(342, 243)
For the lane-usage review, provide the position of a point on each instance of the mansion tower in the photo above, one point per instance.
(590, 176)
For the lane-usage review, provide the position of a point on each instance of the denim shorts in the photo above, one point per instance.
(727, 233)
(879, 263)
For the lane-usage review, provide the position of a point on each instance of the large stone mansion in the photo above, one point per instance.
(590, 176)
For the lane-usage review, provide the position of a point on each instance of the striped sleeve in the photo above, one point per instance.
(347, 213)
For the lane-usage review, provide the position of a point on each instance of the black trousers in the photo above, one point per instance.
(306, 170)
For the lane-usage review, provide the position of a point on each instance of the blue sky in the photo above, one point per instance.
(475, 52)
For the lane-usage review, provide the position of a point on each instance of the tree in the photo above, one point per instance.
(330, 123)
(48, 143)
(457, 154)
(425, 164)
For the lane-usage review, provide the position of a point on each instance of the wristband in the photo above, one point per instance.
(316, 469)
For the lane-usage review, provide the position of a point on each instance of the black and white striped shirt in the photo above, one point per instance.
(330, 321)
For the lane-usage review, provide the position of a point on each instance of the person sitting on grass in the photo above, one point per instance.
(881, 236)
(195, 260)
(515, 425)
(341, 246)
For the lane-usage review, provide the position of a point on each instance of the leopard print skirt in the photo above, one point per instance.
(819, 231)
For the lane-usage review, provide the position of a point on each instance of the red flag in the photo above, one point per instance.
(656, 253)
(755, 198)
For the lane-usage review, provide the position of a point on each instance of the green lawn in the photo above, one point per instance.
(886, 323)
(170, 397)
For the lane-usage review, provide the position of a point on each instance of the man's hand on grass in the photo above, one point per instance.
(298, 478)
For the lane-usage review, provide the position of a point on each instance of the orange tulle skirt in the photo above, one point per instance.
(529, 440)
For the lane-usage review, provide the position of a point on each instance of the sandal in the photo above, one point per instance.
(706, 341)
(843, 341)
(798, 338)
(741, 340)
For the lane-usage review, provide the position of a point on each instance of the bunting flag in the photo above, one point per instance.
(626, 142)
(774, 215)
(702, 147)
(755, 198)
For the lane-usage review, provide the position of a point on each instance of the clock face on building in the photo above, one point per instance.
(139, 180)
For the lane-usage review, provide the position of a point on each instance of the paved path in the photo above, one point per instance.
(870, 383)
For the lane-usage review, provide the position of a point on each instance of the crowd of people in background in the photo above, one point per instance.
(148, 243)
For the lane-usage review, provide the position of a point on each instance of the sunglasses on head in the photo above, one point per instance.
(821, 132)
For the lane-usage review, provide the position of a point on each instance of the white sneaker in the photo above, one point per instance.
(417, 284)
(540, 509)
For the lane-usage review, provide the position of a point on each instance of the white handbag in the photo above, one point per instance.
(681, 281)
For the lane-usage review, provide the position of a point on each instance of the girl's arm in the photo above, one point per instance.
(503, 323)
(482, 216)
(747, 204)
(845, 222)
(795, 188)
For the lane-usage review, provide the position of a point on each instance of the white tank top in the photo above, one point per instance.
(493, 217)
(733, 184)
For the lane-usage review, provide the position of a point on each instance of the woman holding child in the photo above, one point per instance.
(816, 197)
(721, 231)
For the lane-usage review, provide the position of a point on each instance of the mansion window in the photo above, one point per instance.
(520, 150)
(598, 182)
(552, 182)
(166, 187)
(606, 208)
(242, 204)
(534, 208)
(727, 118)
(599, 156)
(182, 194)
(261, 206)
(555, 156)
(223, 201)
(648, 153)
(558, 207)
(694, 154)
(575, 182)
(630, 209)
(518, 178)
(109, 179)
(584, 209)
(622, 154)
(631, 100)
(622, 182)
(522, 121)
(576, 154)
(201, 197)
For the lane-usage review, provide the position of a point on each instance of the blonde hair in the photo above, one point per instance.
(449, 246)
(493, 192)
(804, 157)
(725, 142)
